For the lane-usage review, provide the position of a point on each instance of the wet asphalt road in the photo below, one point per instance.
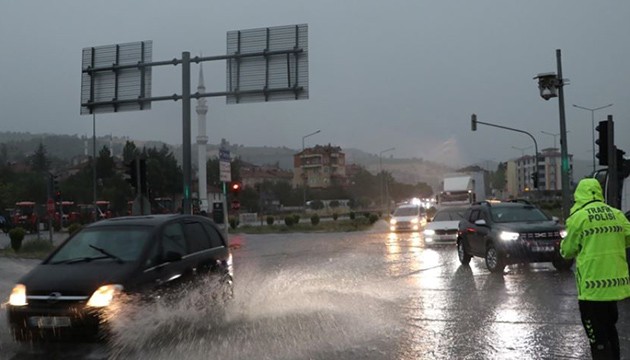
(368, 295)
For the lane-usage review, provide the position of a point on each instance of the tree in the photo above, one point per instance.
(105, 164)
(130, 151)
(39, 160)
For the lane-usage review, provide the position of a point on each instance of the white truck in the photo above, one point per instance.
(462, 188)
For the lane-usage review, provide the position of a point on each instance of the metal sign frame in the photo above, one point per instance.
(116, 74)
(97, 98)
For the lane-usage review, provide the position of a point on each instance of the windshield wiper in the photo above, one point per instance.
(107, 253)
(81, 259)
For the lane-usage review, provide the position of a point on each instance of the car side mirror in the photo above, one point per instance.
(172, 256)
(555, 218)
(481, 222)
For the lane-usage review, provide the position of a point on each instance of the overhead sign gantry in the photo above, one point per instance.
(265, 64)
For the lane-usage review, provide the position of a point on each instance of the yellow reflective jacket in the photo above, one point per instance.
(597, 236)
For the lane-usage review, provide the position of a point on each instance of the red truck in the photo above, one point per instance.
(25, 216)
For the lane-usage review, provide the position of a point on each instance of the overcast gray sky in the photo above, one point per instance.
(404, 74)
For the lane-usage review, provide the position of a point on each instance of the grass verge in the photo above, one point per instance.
(358, 224)
(31, 249)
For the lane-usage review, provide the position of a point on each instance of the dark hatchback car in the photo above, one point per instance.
(66, 295)
(510, 232)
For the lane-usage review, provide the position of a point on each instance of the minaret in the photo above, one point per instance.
(202, 141)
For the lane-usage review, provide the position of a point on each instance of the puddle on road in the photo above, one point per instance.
(289, 314)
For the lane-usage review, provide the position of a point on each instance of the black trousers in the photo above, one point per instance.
(599, 319)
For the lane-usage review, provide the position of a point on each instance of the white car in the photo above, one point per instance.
(408, 218)
(444, 225)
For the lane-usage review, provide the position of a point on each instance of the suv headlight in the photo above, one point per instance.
(18, 296)
(509, 236)
(414, 220)
(563, 233)
(104, 295)
(392, 221)
(429, 232)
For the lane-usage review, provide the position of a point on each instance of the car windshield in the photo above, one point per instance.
(517, 214)
(449, 215)
(406, 211)
(121, 244)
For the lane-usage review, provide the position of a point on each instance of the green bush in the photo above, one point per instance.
(366, 214)
(296, 218)
(334, 204)
(17, 235)
(233, 222)
(289, 220)
(270, 220)
(352, 215)
(315, 219)
(74, 227)
(373, 218)
(335, 216)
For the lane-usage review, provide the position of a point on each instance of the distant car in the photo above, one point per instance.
(444, 225)
(510, 232)
(408, 218)
(64, 295)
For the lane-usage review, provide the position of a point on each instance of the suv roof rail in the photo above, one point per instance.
(484, 202)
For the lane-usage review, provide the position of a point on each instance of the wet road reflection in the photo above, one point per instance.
(370, 295)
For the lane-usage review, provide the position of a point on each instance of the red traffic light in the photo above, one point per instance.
(236, 187)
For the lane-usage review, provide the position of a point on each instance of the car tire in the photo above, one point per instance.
(462, 254)
(494, 262)
(562, 264)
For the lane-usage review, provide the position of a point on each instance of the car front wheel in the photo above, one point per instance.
(464, 257)
(494, 262)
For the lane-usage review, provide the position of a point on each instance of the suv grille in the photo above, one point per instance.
(540, 235)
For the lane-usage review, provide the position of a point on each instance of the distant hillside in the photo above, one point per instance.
(65, 147)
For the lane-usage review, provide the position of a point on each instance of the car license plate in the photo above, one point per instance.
(542, 248)
(50, 321)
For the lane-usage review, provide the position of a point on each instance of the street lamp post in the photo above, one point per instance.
(552, 85)
(554, 137)
(592, 110)
(383, 182)
(304, 169)
(522, 149)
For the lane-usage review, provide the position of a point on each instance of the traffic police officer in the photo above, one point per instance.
(597, 236)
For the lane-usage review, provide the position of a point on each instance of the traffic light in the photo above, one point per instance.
(535, 180)
(235, 188)
(473, 122)
(131, 174)
(602, 142)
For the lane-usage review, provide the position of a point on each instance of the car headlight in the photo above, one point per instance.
(18, 296)
(563, 233)
(509, 236)
(429, 232)
(104, 295)
(392, 221)
(414, 220)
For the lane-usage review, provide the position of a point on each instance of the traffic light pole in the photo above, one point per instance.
(474, 128)
(225, 210)
(612, 191)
